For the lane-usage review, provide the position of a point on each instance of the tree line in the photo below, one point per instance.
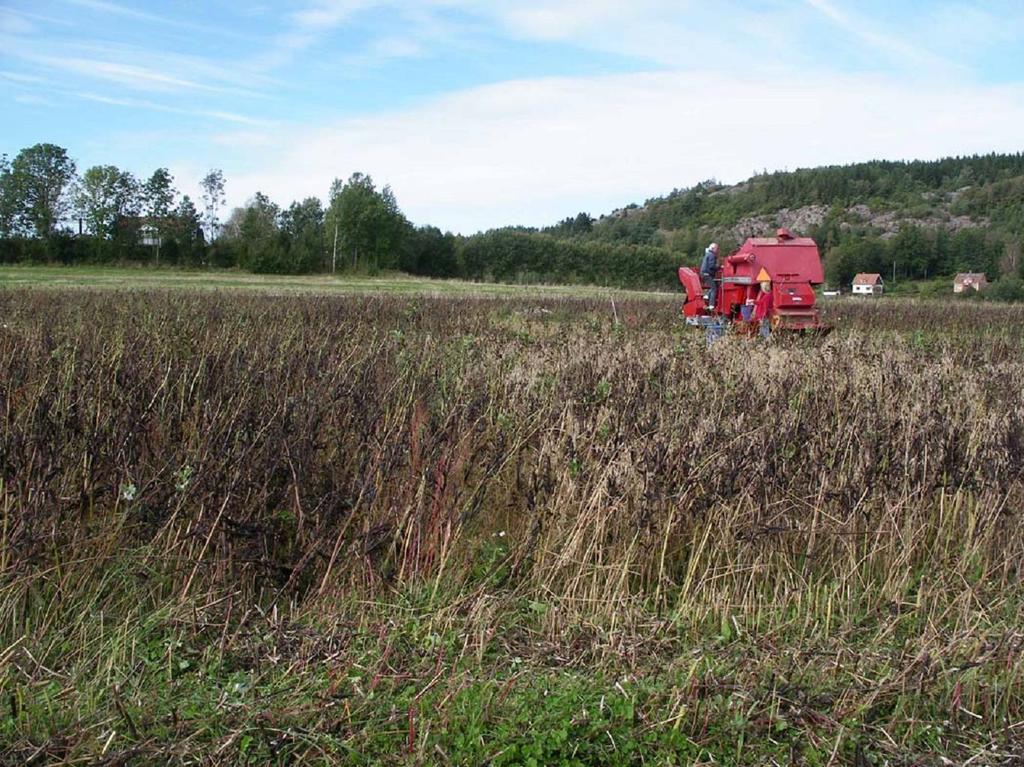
(50, 212)
(916, 253)
(105, 214)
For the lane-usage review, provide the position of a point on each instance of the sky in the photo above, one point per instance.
(510, 112)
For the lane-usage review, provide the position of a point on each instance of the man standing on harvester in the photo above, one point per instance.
(708, 272)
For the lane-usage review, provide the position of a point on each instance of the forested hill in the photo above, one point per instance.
(927, 218)
(916, 192)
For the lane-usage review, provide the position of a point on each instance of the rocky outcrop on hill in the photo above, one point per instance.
(886, 224)
(797, 220)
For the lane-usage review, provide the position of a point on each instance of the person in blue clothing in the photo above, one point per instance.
(708, 271)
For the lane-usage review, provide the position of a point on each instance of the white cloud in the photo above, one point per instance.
(532, 152)
(659, 31)
(726, 35)
(309, 25)
(570, 19)
(327, 14)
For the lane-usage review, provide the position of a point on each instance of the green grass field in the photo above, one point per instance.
(64, 277)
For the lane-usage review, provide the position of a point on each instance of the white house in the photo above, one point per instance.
(969, 281)
(149, 236)
(868, 285)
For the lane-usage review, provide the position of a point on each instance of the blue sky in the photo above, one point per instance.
(482, 114)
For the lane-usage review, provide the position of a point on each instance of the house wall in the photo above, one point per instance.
(959, 287)
(867, 290)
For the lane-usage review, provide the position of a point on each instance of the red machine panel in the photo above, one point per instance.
(786, 258)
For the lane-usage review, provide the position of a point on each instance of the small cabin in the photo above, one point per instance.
(969, 281)
(868, 285)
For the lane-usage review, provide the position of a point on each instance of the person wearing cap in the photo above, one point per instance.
(763, 308)
(708, 270)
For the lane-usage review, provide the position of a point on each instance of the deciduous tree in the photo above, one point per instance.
(303, 228)
(159, 194)
(367, 224)
(184, 233)
(259, 242)
(105, 197)
(41, 177)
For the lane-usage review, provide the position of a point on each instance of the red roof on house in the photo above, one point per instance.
(970, 278)
(867, 279)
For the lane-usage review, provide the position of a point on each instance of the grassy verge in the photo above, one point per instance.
(424, 676)
(64, 277)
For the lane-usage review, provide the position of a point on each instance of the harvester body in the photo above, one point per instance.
(793, 264)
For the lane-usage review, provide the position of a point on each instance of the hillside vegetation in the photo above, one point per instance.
(920, 219)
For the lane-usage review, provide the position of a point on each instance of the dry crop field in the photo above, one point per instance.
(404, 530)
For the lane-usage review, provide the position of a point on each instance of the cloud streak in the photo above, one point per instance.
(102, 6)
(309, 25)
(214, 114)
(130, 75)
(135, 68)
(107, 8)
(672, 34)
(877, 39)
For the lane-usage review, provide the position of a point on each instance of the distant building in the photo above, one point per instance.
(868, 285)
(831, 292)
(969, 281)
(149, 235)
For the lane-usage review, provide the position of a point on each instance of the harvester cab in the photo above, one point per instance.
(791, 264)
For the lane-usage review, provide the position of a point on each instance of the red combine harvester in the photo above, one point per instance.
(793, 265)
